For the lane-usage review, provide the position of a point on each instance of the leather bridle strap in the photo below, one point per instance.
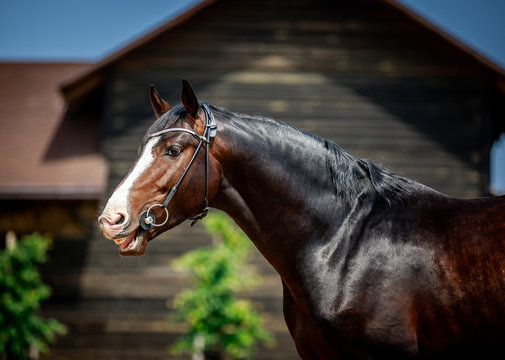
(147, 218)
(210, 132)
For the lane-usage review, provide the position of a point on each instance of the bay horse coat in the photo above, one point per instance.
(373, 265)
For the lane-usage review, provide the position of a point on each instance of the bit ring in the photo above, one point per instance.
(150, 219)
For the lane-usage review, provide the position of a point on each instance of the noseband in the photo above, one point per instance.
(147, 218)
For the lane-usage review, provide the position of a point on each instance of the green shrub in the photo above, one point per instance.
(217, 320)
(21, 291)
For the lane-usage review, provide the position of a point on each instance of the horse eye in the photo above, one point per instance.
(173, 151)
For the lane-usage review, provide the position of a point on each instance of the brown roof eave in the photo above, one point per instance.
(81, 84)
(51, 193)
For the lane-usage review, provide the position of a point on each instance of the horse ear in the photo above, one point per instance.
(189, 99)
(159, 105)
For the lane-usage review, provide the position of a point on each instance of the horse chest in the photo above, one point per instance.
(362, 308)
(352, 333)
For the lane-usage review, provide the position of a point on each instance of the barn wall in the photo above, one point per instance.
(356, 72)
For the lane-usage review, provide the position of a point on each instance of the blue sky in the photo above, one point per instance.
(70, 30)
(78, 30)
(478, 23)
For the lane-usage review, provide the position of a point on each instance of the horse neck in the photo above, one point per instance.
(276, 186)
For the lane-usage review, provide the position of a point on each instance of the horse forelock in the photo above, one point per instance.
(163, 122)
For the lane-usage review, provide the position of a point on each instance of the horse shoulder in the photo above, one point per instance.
(365, 282)
(364, 302)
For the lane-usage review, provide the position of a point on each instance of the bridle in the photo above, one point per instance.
(147, 218)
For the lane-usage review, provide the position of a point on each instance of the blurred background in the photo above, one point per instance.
(416, 86)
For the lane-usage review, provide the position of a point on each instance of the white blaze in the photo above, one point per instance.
(118, 202)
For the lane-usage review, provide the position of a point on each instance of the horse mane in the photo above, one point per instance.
(346, 171)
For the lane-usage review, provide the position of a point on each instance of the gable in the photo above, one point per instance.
(88, 79)
(360, 73)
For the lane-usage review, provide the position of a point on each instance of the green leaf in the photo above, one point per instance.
(21, 292)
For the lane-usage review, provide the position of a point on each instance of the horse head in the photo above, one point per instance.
(173, 179)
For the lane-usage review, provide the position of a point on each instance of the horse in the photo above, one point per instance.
(373, 265)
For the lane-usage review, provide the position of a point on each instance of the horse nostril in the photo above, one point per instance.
(120, 219)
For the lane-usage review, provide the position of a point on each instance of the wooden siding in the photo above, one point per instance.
(356, 72)
(122, 305)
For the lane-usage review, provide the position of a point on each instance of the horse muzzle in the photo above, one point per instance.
(115, 227)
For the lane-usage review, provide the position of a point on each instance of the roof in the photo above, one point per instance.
(42, 155)
(47, 155)
(92, 76)
(87, 79)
